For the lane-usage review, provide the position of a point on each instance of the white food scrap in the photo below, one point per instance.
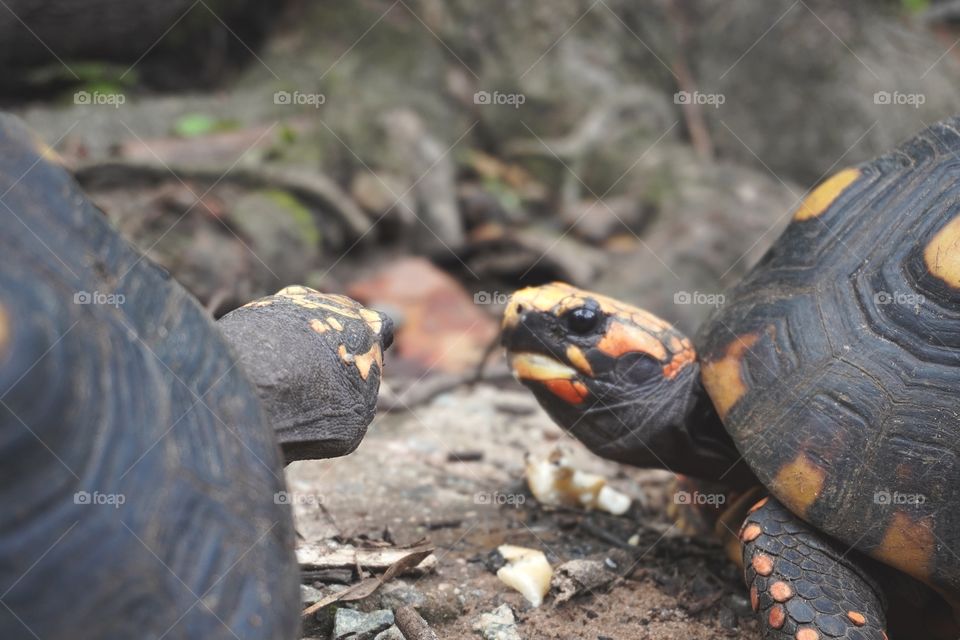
(553, 481)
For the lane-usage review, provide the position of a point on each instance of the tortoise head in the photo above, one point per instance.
(316, 359)
(618, 378)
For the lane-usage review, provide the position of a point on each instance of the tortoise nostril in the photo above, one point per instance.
(520, 308)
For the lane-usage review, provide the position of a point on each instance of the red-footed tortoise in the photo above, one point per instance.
(828, 379)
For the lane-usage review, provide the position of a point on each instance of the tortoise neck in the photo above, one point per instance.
(713, 454)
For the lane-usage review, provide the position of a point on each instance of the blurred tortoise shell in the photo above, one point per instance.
(141, 481)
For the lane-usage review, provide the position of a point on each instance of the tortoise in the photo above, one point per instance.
(141, 487)
(821, 395)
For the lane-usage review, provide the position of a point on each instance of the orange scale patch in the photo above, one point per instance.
(570, 391)
(622, 338)
(751, 532)
(781, 591)
(857, 618)
(762, 564)
(685, 356)
(777, 617)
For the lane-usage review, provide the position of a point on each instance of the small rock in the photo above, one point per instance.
(577, 576)
(500, 624)
(355, 625)
(310, 595)
(398, 594)
(390, 634)
(381, 194)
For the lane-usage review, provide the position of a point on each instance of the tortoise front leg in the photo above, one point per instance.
(803, 585)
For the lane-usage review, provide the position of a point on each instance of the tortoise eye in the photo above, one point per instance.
(583, 319)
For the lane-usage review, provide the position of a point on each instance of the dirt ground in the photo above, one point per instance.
(405, 483)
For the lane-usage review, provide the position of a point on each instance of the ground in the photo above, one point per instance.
(405, 483)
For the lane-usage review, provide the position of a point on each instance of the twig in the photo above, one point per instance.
(692, 113)
(412, 625)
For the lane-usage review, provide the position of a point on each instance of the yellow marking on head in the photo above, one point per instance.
(311, 299)
(799, 483)
(909, 545)
(333, 322)
(578, 360)
(296, 290)
(942, 254)
(820, 199)
(256, 304)
(318, 326)
(723, 378)
(373, 319)
(558, 298)
(364, 361)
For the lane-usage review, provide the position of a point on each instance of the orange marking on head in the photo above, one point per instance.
(578, 360)
(825, 194)
(777, 616)
(857, 618)
(781, 591)
(570, 391)
(909, 545)
(624, 338)
(318, 326)
(942, 254)
(680, 360)
(754, 598)
(751, 532)
(799, 483)
(762, 564)
(807, 634)
(363, 361)
(723, 378)
(759, 504)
